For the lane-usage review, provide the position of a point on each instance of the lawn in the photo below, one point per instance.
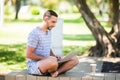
(13, 37)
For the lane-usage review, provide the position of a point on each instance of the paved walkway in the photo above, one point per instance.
(84, 66)
(84, 63)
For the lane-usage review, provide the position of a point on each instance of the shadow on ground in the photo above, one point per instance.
(110, 67)
(12, 53)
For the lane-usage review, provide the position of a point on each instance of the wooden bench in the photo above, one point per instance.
(22, 75)
(80, 72)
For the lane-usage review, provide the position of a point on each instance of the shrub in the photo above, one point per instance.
(75, 9)
(7, 10)
(34, 10)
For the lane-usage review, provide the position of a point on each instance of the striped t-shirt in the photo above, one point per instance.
(41, 42)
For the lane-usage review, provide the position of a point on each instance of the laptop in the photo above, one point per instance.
(69, 56)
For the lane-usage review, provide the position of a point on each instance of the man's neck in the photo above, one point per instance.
(43, 27)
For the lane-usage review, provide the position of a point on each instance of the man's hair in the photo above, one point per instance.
(50, 13)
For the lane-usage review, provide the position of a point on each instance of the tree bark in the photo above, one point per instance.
(17, 8)
(105, 44)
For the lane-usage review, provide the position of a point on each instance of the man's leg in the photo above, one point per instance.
(66, 66)
(48, 65)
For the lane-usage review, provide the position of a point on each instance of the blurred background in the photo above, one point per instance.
(21, 16)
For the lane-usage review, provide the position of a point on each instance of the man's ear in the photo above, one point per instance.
(45, 19)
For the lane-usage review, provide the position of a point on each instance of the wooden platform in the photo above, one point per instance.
(80, 72)
(22, 75)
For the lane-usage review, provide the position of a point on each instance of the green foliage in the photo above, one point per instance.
(77, 20)
(75, 9)
(49, 4)
(7, 10)
(71, 37)
(67, 49)
(12, 54)
(35, 10)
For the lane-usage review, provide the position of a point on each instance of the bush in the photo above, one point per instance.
(75, 9)
(34, 10)
(7, 10)
(67, 49)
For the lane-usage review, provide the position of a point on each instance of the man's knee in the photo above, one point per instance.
(53, 65)
(52, 61)
(49, 64)
(75, 60)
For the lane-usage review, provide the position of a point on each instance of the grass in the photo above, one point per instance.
(79, 37)
(68, 49)
(13, 37)
(12, 56)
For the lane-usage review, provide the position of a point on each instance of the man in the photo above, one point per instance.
(40, 58)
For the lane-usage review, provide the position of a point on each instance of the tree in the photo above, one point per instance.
(107, 44)
(17, 6)
(49, 4)
(110, 11)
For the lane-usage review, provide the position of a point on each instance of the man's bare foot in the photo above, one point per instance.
(55, 74)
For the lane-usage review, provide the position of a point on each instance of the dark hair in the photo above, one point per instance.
(50, 13)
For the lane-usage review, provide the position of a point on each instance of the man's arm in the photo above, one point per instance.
(30, 54)
(51, 53)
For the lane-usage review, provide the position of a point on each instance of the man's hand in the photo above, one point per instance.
(58, 58)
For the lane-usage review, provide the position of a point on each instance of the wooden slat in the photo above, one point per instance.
(20, 77)
(7, 77)
(87, 76)
(42, 78)
(51, 78)
(3, 74)
(30, 77)
(1, 77)
(98, 76)
(109, 76)
(64, 78)
(117, 76)
(72, 74)
(76, 78)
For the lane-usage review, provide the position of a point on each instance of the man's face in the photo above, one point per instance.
(51, 22)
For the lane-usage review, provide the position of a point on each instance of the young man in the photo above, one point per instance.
(40, 58)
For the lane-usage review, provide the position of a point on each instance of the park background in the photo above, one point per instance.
(14, 32)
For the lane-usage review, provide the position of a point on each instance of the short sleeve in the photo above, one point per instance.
(33, 40)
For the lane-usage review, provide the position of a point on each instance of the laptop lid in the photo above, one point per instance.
(69, 56)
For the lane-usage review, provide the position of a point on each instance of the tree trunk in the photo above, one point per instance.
(17, 8)
(105, 44)
(110, 11)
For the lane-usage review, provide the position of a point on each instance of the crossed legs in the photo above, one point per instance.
(66, 66)
(50, 65)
